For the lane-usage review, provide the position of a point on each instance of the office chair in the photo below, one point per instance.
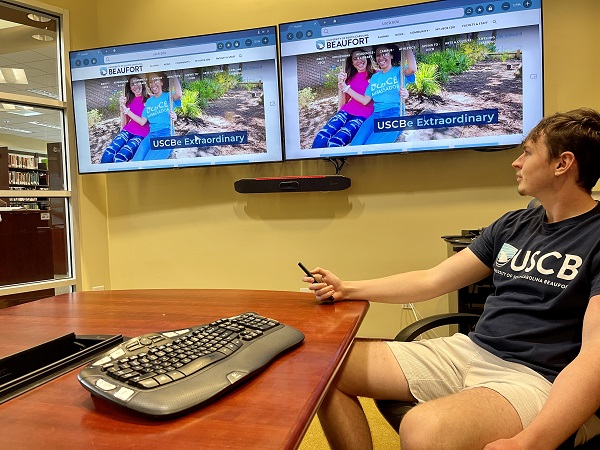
(394, 410)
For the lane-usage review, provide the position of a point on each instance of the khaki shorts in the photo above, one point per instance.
(443, 366)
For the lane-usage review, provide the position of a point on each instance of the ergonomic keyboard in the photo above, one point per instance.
(166, 373)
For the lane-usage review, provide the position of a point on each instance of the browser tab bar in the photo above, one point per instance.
(412, 19)
(160, 53)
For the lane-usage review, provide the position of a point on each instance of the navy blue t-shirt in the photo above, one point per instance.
(544, 276)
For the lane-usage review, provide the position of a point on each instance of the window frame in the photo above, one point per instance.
(69, 194)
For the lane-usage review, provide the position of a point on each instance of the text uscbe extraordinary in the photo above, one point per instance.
(439, 120)
(199, 140)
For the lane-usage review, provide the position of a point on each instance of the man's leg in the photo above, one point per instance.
(461, 420)
(369, 370)
(467, 420)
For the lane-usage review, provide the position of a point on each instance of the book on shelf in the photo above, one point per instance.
(22, 161)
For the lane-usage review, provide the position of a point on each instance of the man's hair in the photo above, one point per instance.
(576, 131)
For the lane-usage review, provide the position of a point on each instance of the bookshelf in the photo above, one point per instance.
(26, 235)
(25, 172)
(32, 172)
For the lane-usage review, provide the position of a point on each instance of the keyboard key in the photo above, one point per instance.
(148, 383)
(163, 379)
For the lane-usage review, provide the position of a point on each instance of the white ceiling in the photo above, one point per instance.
(21, 54)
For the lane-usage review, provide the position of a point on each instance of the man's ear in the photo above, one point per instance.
(564, 162)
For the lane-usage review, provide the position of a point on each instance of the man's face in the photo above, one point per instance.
(535, 172)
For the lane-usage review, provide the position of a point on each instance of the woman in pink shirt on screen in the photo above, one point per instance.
(125, 144)
(342, 127)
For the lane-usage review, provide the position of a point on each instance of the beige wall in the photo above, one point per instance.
(190, 229)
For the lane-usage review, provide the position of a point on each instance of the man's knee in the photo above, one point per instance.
(371, 370)
(421, 429)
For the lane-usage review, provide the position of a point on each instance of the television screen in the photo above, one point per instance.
(203, 100)
(429, 77)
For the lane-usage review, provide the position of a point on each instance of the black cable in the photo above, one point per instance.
(338, 163)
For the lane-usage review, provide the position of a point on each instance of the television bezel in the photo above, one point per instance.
(269, 30)
(338, 159)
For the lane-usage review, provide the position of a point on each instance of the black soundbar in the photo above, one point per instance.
(292, 184)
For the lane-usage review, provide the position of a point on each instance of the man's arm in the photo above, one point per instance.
(574, 397)
(459, 270)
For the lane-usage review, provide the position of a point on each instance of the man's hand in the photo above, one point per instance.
(326, 286)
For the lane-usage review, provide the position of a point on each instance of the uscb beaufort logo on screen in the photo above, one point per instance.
(353, 41)
(121, 70)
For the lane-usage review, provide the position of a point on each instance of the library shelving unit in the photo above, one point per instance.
(26, 228)
(24, 172)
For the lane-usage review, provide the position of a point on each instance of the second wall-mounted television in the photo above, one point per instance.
(435, 76)
(194, 101)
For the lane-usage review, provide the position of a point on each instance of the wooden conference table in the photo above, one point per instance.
(271, 410)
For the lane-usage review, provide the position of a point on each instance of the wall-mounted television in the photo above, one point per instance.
(194, 101)
(435, 76)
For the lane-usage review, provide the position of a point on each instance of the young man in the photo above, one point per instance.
(529, 375)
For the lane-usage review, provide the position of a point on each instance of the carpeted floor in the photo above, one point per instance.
(384, 437)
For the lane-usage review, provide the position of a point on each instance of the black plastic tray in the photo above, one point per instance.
(37, 365)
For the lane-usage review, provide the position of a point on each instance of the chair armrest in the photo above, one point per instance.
(428, 323)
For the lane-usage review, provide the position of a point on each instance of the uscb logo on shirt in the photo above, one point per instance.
(388, 84)
(161, 108)
(535, 261)
(506, 253)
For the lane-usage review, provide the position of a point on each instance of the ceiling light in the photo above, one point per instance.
(18, 130)
(38, 18)
(43, 92)
(14, 76)
(43, 37)
(24, 112)
(40, 124)
(7, 24)
(19, 110)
